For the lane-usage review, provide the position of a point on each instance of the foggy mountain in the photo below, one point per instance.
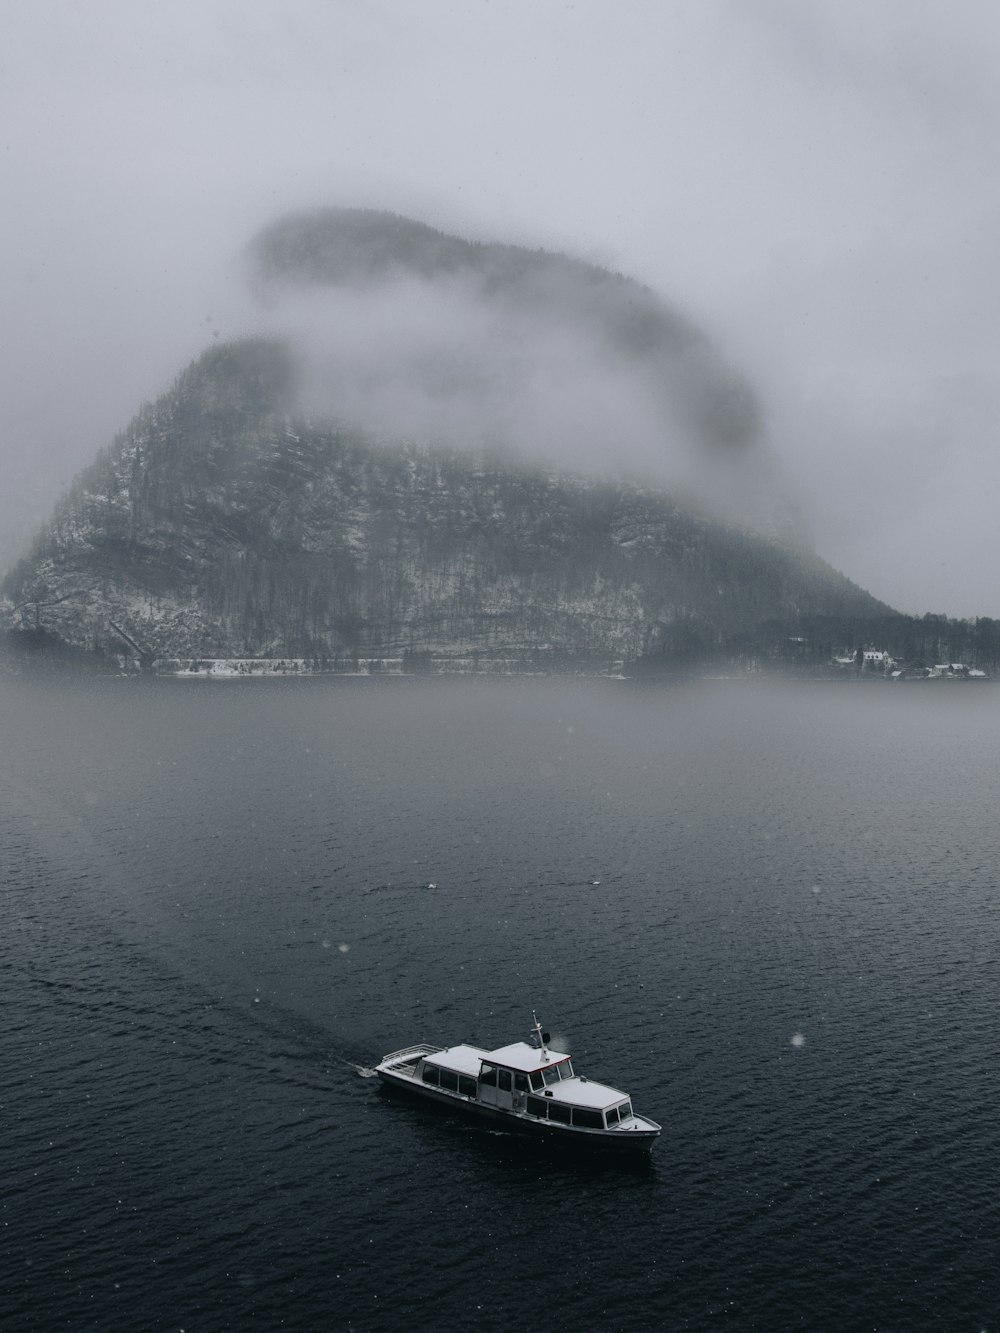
(441, 447)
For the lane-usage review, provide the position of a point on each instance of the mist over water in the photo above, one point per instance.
(768, 913)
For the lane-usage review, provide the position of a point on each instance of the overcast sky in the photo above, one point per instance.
(815, 183)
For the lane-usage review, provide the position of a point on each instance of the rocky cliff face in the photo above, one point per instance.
(223, 522)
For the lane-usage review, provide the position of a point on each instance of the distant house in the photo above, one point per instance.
(958, 669)
(942, 671)
(867, 659)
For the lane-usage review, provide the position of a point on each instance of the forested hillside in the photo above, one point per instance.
(222, 523)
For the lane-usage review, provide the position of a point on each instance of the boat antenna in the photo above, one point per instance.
(540, 1035)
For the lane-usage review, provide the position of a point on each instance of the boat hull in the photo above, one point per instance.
(630, 1143)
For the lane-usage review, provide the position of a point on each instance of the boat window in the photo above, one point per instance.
(625, 1111)
(551, 1075)
(449, 1080)
(430, 1074)
(557, 1111)
(466, 1085)
(612, 1116)
(587, 1119)
(537, 1082)
(566, 1069)
(520, 1083)
(488, 1075)
(536, 1106)
(503, 1080)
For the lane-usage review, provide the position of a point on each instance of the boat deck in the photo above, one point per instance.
(405, 1060)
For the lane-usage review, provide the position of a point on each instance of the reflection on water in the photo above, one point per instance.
(770, 914)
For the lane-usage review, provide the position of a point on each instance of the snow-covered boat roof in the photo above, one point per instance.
(463, 1059)
(582, 1092)
(519, 1055)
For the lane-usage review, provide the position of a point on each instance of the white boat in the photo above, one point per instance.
(524, 1087)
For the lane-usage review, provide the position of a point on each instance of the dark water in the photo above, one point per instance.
(216, 912)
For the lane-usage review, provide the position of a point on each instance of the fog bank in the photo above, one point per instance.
(814, 184)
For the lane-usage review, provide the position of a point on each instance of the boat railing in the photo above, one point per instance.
(411, 1052)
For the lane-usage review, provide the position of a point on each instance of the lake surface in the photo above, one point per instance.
(770, 913)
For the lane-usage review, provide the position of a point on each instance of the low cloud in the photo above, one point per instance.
(549, 368)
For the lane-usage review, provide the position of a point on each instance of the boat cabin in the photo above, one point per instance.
(522, 1078)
